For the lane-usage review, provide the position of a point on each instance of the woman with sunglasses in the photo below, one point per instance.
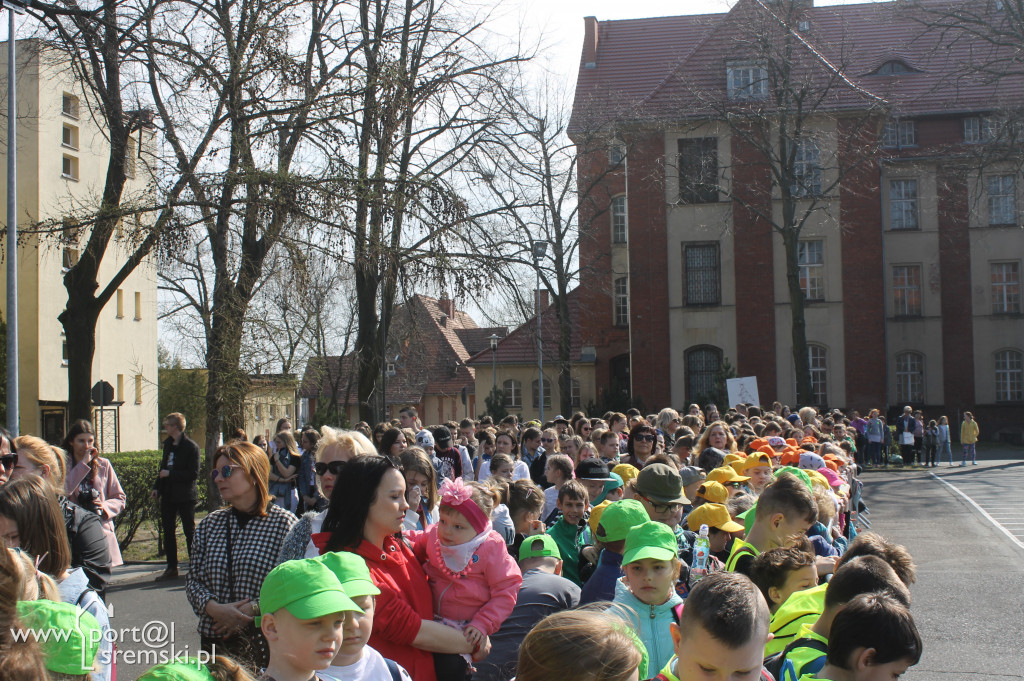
(640, 445)
(233, 550)
(334, 448)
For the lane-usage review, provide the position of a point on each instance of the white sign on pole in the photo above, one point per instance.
(742, 390)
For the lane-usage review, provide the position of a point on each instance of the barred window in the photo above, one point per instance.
(909, 377)
(903, 204)
(906, 290)
(698, 170)
(703, 366)
(620, 220)
(811, 261)
(1009, 376)
(702, 278)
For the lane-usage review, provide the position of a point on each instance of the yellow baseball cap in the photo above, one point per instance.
(756, 459)
(712, 515)
(714, 492)
(726, 475)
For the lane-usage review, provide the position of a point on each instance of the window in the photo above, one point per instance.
(818, 359)
(746, 81)
(69, 105)
(69, 168)
(978, 129)
(698, 170)
(1009, 376)
(906, 290)
(547, 394)
(1002, 199)
(898, 134)
(130, 154)
(1005, 288)
(617, 154)
(893, 67)
(120, 303)
(258, 412)
(621, 302)
(806, 169)
(69, 136)
(138, 388)
(120, 387)
(69, 259)
(972, 130)
(620, 221)
(575, 398)
(703, 366)
(702, 274)
(513, 394)
(138, 306)
(909, 377)
(903, 204)
(811, 261)
(270, 412)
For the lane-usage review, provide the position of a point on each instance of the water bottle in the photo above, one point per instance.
(701, 551)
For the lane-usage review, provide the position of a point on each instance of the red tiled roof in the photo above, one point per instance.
(432, 358)
(656, 68)
(520, 346)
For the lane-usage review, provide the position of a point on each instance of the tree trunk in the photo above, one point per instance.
(79, 321)
(366, 344)
(801, 361)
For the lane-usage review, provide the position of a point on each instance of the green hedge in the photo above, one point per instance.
(137, 471)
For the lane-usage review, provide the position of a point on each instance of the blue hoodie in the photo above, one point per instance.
(601, 585)
(650, 622)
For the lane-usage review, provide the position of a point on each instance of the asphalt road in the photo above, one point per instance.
(968, 601)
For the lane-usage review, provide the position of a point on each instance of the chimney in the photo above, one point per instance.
(447, 306)
(590, 42)
(540, 300)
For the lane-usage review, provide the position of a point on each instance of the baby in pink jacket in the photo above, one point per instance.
(473, 579)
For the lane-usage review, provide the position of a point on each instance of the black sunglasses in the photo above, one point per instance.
(646, 438)
(224, 471)
(335, 467)
(547, 439)
(662, 508)
(9, 461)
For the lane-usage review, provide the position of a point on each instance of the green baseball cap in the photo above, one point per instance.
(618, 518)
(351, 571)
(798, 472)
(74, 654)
(539, 546)
(306, 588)
(189, 670)
(650, 540)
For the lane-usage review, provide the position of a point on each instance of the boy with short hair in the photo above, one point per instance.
(785, 510)
(721, 631)
(805, 654)
(302, 610)
(572, 502)
(355, 659)
(874, 637)
(780, 572)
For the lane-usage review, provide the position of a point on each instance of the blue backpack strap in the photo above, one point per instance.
(393, 668)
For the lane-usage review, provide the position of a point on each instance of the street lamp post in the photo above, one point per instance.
(493, 338)
(13, 7)
(539, 249)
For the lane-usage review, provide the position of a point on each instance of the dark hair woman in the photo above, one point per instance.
(640, 444)
(365, 516)
(232, 552)
(92, 483)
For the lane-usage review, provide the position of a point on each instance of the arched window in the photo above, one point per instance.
(513, 394)
(909, 377)
(620, 221)
(1009, 376)
(818, 359)
(703, 366)
(547, 394)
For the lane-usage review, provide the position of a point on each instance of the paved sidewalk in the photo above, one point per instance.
(142, 572)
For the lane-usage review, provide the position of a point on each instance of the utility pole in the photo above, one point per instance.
(13, 7)
(540, 247)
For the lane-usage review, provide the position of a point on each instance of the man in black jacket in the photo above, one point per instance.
(176, 487)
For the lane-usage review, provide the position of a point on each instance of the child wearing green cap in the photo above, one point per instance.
(646, 596)
(612, 530)
(356, 660)
(303, 607)
(191, 669)
(69, 636)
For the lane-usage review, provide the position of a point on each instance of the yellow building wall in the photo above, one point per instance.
(526, 374)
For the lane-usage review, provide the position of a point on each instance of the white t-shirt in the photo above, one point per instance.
(520, 471)
(317, 523)
(370, 667)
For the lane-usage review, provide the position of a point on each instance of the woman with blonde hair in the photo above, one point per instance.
(584, 645)
(717, 435)
(233, 550)
(34, 457)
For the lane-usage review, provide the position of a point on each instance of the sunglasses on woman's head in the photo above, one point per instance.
(335, 467)
(224, 471)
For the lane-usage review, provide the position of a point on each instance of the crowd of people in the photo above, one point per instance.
(664, 546)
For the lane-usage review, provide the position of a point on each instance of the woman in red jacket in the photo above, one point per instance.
(365, 517)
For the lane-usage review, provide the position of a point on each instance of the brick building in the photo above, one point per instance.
(910, 262)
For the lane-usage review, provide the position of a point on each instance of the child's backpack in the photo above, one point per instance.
(776, 664)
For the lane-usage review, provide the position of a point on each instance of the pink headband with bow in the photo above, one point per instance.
(458, 496)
